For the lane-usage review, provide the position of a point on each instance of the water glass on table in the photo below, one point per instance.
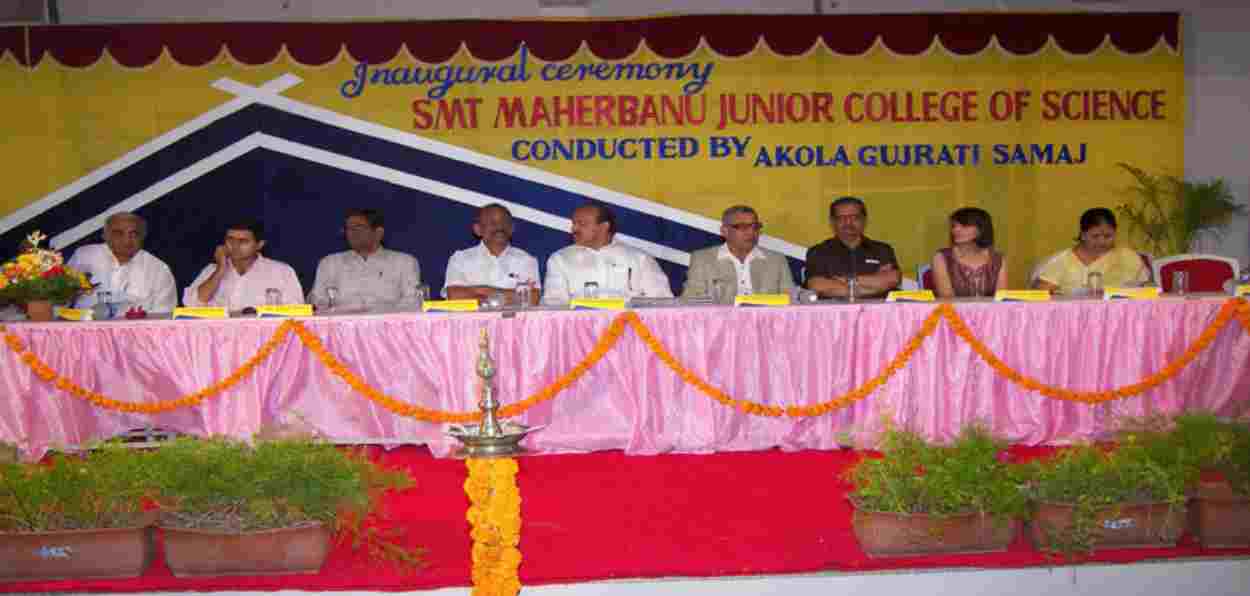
(273, 296)
(523, 292)
(421, 294)
(590, 290)
(1093, 284)
(332, 297)
(1180, 282)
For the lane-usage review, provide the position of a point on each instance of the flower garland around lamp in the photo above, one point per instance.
(495, 520)
(38, 278)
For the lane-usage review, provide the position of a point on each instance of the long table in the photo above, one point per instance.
(788, 357)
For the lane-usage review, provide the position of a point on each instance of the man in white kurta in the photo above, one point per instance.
(494, 265)
(123, 272)
(240, 277)
(619, 271)
(368, 275)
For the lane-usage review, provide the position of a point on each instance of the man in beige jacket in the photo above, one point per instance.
(740, 265)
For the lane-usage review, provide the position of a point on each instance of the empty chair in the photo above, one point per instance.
(1206, 273)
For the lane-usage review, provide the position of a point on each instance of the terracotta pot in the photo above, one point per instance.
(75, 554)
(39, 310)
(1219, 517)
(1131, 525)
(883, 534)
(192, 553)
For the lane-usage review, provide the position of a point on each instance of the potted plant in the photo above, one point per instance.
(76, 516)
(1091, 496)
(38, 278)
(921, 497)
(1220, 513)
(230, 508)
(1169, 212)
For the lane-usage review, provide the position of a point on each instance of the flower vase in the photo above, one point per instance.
(39, 310)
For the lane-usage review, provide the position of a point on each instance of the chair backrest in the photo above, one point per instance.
(924, 277)
(1207, 273)
(1148, 260)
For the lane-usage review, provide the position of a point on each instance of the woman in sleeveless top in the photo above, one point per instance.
(970, 266)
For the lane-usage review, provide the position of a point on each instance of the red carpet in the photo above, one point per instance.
(607, 515)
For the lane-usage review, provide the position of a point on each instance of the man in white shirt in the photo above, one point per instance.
(368, 275)
(240, 277)
(123, 272)
(617, 270)
(740, 265)
(494, 265)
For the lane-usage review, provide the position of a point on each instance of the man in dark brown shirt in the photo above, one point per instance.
(849, 254)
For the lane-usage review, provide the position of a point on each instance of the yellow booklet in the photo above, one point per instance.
(762, 300)
(598, 303)
(284, 310)
(75, 314)
(910, 296)
(1022, 296)
(466, 305)
(200, 312)
(1242, 290)
(1147, 293)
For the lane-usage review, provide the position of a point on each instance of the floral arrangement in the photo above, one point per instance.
(40, 274)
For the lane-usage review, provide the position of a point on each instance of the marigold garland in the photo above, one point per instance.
(758, 409)
(1234, 308)
(604, 345)
(49, 375)
(1229, 309)
(495, 525)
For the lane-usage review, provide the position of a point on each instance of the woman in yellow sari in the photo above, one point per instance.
(1094, 261)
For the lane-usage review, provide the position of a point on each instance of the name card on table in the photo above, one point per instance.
(910, 296)
(200, 312)
(270, 311)
(1242, 290)
(1146, 293)
(1022, 296)
(762, 300)
(466, 305)
(75, 314)
(597, 304)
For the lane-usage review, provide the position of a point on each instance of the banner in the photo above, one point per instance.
(669, 120)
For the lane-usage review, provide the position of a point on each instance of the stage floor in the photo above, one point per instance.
(605, 516)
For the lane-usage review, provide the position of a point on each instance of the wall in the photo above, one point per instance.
(1217, 63)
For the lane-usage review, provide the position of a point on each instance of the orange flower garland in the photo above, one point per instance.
(495, 525)
(1234, 308)
(758, 409)
(47, 374)
(1227, 311)
(604, 345)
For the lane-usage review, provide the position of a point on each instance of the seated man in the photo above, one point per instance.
(240, 277)
(494, 265)
(619, 271)
(123, 271)
(741, 265)
(832, 264)
(368, 274)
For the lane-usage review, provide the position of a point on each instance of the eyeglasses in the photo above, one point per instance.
(742, 227)
(356, 228)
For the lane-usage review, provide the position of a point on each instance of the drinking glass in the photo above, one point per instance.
(1093, 283)
(523, 291)
(422, 294)
(273, 296)
(1180, 282)
(332, 297)
(718, 290)
(590, 290)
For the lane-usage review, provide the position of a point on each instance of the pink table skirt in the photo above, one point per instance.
(631, 400)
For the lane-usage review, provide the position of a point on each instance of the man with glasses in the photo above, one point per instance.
(740, 265)
(850, 259)
(368, 275)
